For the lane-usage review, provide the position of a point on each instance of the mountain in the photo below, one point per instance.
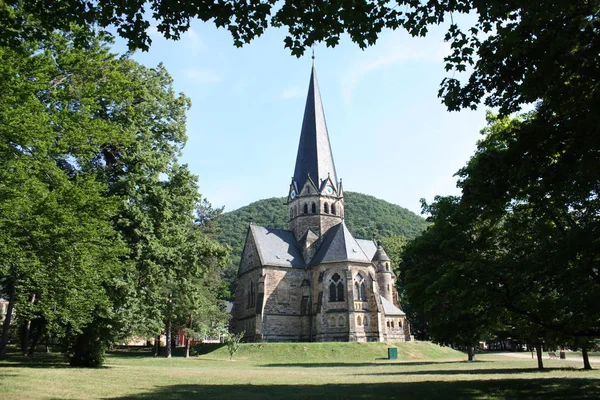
(365, 216)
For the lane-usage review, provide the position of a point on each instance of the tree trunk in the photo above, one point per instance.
(471, 353)
(538, 349)
(34, 342)
(168, 338)
(27, 330)
(7, 321)
(157, 346)
(187, 340)
(586, 358)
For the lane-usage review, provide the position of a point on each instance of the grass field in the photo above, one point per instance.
(300, 371)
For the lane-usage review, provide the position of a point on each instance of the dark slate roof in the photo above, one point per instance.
(339, 245)
(380, 254)
(277, 247)
(314, 156)
(389, 309)
(368, 246)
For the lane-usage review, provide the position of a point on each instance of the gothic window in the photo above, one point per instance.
(399, 324)
(283, 292)
(387, 266)
(326, 208)
(341, 321)
(336, 288)
(250, 294)
(392, 322)
(358, 321)
(366, 321)
(360, 292)
(332, 321)
(306, 209)
(291, 213)
(333, 209)
(314, 208)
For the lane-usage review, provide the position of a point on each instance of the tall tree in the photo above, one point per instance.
(96, 208)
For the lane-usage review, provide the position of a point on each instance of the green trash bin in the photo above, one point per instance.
(392, 353)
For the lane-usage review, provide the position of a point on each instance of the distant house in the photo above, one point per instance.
(315, 281)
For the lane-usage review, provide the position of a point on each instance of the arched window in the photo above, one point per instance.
(336, 288)
(332, 292)
(250, 294)
(283, 292)
(366, 321)
(332, 321)
(340, 291)
(333, 209)
(341, 321)
(326, 208)
(305, 208)
(360, 292)
(387, 266)
(399, 324)
(392, 322)
(358, 321)
(314, 208)
(291, 213)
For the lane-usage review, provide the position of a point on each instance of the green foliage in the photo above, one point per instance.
(104, 234)
(512, 49)
(517, 251)
(233, 343)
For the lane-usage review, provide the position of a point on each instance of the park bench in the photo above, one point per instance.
(552, 354)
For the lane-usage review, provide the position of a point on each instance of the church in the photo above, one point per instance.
(315, 282)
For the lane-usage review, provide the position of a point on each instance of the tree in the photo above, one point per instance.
(233, 342)
(519, 240)
(541, 67)
(56, 227)
(98, 217)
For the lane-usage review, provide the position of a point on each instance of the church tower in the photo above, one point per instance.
(316, 198)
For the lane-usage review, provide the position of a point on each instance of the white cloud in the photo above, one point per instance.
(291, 93)
(192, 39)
(393, 52)
(203, 76)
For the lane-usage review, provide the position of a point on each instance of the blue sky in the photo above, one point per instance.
(391, 137)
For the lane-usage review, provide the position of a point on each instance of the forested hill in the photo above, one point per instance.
(364, 214)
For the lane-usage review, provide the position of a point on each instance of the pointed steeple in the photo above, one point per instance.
(314, 158)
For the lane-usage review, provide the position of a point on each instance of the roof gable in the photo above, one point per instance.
(277, 247)
(339, 245)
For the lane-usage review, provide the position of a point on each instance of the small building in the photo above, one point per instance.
(315, 281)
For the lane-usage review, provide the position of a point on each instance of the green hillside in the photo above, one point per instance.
(328, 352)
(365, 216)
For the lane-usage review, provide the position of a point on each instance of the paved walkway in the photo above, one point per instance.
(570, 357)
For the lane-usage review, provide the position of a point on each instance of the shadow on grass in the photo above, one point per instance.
(38, 360)
(497, 389)
(363, 364)
(483, 371)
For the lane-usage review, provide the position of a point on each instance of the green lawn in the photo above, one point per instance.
(300, 371)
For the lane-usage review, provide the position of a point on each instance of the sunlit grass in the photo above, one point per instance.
(298, 371)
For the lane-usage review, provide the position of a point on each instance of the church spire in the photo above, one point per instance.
(314, 156)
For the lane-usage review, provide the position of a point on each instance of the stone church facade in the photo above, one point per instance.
(315, 281)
